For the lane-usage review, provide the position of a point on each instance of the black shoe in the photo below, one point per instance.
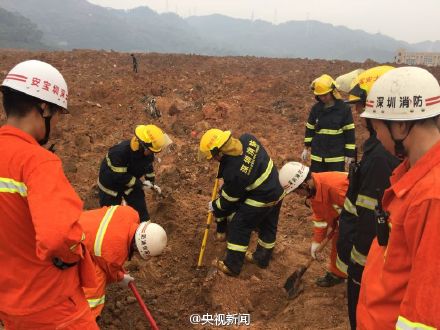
(329, 280)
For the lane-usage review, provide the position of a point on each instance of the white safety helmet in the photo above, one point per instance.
(406, 93)
(292, 175)
(40, 80)
(151, 239)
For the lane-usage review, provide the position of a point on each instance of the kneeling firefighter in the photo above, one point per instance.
(126, 164)
(251, 194)
(326, 193)
(113, 235)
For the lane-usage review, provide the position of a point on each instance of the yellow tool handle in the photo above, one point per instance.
(208, 223)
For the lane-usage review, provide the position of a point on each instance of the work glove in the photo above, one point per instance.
(126, 280)
(147, 185)
(305, 154)
(348, 161)
(210, 207)
(157, 189)
(313, 248)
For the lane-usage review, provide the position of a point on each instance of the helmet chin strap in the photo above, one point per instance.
(399, 148)
(46, 126)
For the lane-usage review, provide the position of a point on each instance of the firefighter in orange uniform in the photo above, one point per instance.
(400, 287)
(44, 261)
(326, 192)
(113, 235)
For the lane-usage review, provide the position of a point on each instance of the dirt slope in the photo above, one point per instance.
(267, 97)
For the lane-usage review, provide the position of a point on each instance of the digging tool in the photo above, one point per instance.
(293, 285)
(143, 306)
(208, 224)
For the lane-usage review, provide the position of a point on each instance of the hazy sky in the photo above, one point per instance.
(408, 20)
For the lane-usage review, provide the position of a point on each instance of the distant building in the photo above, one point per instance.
(417, 58)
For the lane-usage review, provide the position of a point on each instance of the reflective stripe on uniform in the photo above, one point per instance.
(255, 203)
(236, 247)
(350, 146)
(308, 139)
(217, 203)
(107, 191)
(337, 208)
(405, 324)
(341, 266)
(358, 257)
(73, 247)
(12, 186)
(266, 245)
(310, 126)
(262, 177)
(102, 229)
(347, 127)
(334, 159)
(366, 202)
(349, 207)
(229, 198)
(316, 158)
(131, 182)
(329, 131)
(117, 169)
(320, 224)
(150, 175)
(96, 301)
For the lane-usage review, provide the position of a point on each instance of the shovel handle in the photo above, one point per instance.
(144, 308)
(208, 224)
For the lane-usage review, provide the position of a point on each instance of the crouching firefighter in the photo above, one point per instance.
(127, 169)
(326, 193)
(251, 189)
(113, 235)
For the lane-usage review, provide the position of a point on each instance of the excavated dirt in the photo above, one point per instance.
(267, 97)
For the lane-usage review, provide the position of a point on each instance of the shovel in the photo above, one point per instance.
(293, 285)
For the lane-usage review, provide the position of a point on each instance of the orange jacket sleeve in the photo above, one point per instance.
(421, 302)
(55, 209)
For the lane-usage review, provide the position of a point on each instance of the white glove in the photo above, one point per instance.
(348, 160)
(157, 189)
(313, 248)
(147, 185)
(305, 154)
(210, 207)
(126, 280)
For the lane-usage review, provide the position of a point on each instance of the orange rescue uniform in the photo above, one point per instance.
(39, 212)
(109, 233)
(331, 188)
(400, 286)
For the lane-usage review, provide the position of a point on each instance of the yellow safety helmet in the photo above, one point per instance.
(212, 141)
(323, 85)
(361, 86)
(151, 137)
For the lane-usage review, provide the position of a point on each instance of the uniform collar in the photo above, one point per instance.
(405, 177)
(371, 143)
(318, 187)
(12, 130)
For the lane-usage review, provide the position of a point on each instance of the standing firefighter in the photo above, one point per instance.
(400, 285)
(123, 168)
(329, 137)
(251, 189)
(113, 234)
(44, 260)
(135, 63)
(368, 181)
(326, 192)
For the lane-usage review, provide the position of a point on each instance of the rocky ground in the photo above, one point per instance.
(267, 97)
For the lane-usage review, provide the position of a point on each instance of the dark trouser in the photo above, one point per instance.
(317, 167)
(352, 297)
(246, 219)
(136, 199)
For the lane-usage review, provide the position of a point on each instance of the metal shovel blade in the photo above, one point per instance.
(294, 285)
